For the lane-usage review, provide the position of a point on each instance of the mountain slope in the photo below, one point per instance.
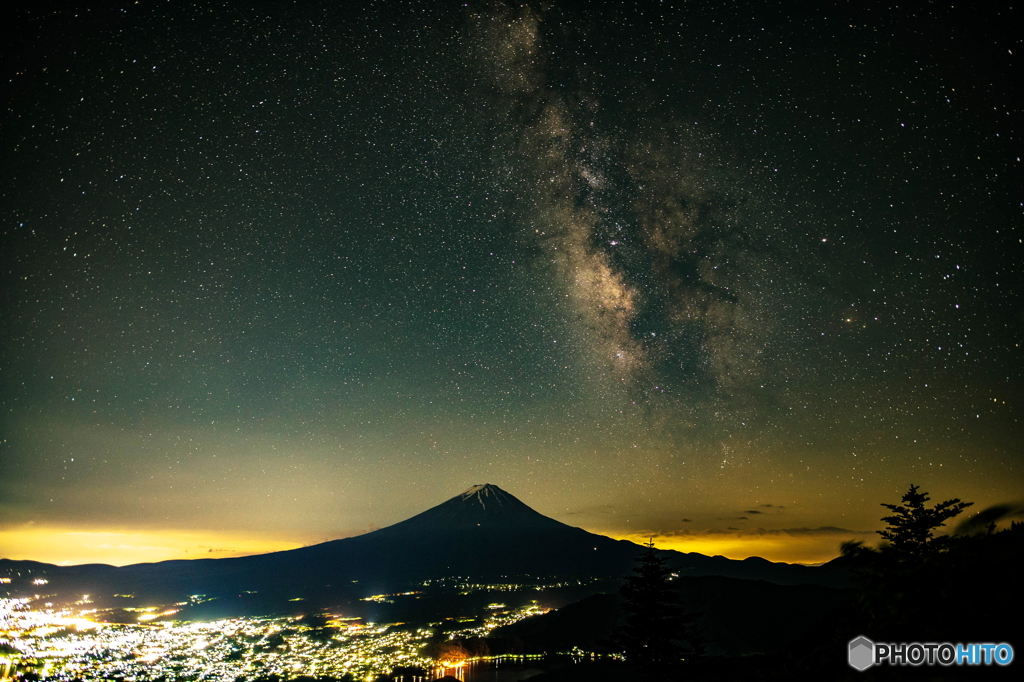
(484, 534)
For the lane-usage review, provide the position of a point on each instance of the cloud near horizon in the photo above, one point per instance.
(978, 523)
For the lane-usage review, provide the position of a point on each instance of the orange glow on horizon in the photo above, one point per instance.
(120, 547)
(793, 549)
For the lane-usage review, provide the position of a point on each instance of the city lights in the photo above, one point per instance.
(61, 644)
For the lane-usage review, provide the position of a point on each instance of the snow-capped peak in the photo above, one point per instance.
(483, 493)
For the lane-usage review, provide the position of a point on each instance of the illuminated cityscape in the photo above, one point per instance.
(66, 645)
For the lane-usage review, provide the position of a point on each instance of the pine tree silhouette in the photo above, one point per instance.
(912, 526)
(656, 626)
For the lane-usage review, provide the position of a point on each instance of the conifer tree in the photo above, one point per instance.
(912, 525)
(655, 622)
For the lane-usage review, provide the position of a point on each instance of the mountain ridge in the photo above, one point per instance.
(484, 533)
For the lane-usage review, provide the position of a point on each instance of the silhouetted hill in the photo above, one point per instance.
(735, 617)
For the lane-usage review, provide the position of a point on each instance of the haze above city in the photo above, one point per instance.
(720, 275)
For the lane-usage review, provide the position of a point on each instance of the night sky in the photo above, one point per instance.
(727, 275)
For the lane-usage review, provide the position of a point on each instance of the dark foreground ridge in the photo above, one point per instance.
(484, 534)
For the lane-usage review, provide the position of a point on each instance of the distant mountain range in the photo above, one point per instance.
(483, 535)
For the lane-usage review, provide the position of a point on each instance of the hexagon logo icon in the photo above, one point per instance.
(862, 653)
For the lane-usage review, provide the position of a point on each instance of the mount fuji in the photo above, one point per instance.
(483, 535)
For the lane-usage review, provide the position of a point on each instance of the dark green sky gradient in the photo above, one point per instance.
(370, 255)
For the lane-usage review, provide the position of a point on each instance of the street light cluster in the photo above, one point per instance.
(61, 645)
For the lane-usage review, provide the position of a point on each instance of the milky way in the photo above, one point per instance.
(675, 274)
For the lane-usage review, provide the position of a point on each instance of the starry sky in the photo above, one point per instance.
(725, 274)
